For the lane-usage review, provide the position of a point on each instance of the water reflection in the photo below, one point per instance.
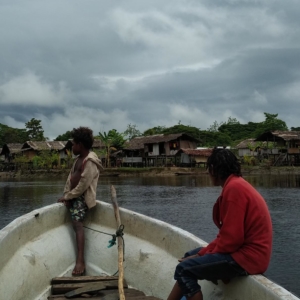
(184, 201)
(271, 181)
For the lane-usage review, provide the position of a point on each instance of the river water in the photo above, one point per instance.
(184, 201)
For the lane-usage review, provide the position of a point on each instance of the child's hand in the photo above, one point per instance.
(61, 200)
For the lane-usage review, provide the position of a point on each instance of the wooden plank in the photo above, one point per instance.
(128, 293)
(76, 279)
(106, 297)
(88, 288)
(65, 288)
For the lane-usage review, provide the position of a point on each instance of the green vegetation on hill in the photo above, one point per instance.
(228, 133)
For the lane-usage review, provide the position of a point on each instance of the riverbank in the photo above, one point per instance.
(161, 171)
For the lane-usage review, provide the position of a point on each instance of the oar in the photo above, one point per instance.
(120, 243)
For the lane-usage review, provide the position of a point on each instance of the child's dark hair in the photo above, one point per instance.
(222, 163)
(83, 135)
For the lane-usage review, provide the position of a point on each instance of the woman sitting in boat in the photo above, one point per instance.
(244, 241)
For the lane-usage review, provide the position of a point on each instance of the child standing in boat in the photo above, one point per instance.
(80, 189)
(244, 242)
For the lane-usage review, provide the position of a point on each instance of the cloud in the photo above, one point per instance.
(29, 89)
(73, 117)
(259, 98)
(148, 63)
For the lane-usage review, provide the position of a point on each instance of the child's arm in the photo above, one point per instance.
(89, 173)
(66, 189)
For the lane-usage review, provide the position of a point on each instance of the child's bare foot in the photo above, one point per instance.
(79, 269)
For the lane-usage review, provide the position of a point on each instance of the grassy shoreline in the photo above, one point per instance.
(150, 171)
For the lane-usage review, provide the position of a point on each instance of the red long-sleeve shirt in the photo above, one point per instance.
(245, 227)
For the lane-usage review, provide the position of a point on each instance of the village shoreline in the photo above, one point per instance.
(146, 172)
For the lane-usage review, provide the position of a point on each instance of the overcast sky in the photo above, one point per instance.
(105, 64)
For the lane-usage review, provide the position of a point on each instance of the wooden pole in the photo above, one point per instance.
(120, 243)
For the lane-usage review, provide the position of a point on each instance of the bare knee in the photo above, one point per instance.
(77, 226)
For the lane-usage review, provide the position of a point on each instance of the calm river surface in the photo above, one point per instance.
(184, 201)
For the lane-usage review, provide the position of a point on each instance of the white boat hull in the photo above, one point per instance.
(40, 245)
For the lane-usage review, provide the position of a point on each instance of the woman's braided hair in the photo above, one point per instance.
(222, 163)
(83, 135)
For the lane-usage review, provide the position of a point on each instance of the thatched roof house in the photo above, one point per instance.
(43, 145)
(278, 136)
(167, 144)
(10, 149)
(245, 144)
(250, 147)
(283, 139)
(31, 148)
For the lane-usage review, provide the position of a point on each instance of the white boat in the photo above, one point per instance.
(38, 246)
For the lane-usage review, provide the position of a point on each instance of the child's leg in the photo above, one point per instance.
(78, 211)
(80, 265)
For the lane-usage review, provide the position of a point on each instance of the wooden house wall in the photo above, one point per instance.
(63, 154)
(243, 152)
(30, 153)
(185, 144)
(155, 150)
(201, 159)
(167, 148)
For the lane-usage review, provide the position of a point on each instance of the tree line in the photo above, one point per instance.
(228, 133)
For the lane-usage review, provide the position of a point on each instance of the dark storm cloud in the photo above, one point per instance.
(108, 64)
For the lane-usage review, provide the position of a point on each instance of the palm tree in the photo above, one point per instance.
(107, 140)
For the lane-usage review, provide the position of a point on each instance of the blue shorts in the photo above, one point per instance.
(211, 267)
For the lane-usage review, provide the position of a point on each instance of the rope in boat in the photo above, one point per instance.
(112, 242)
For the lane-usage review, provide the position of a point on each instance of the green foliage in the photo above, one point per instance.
(113, 141)
(214, 127)
(249, 160)
(35, 130)
(154, 130)
(131, 131)
(45, 160)
(69, 158)
(295, 128)
(64, 137)
(22, 162)
(12, 135)
(20, 159)
(237, 131)
(180, 128)
(211, 139)
(271, 123)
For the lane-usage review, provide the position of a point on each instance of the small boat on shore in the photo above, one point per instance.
(39, 246)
